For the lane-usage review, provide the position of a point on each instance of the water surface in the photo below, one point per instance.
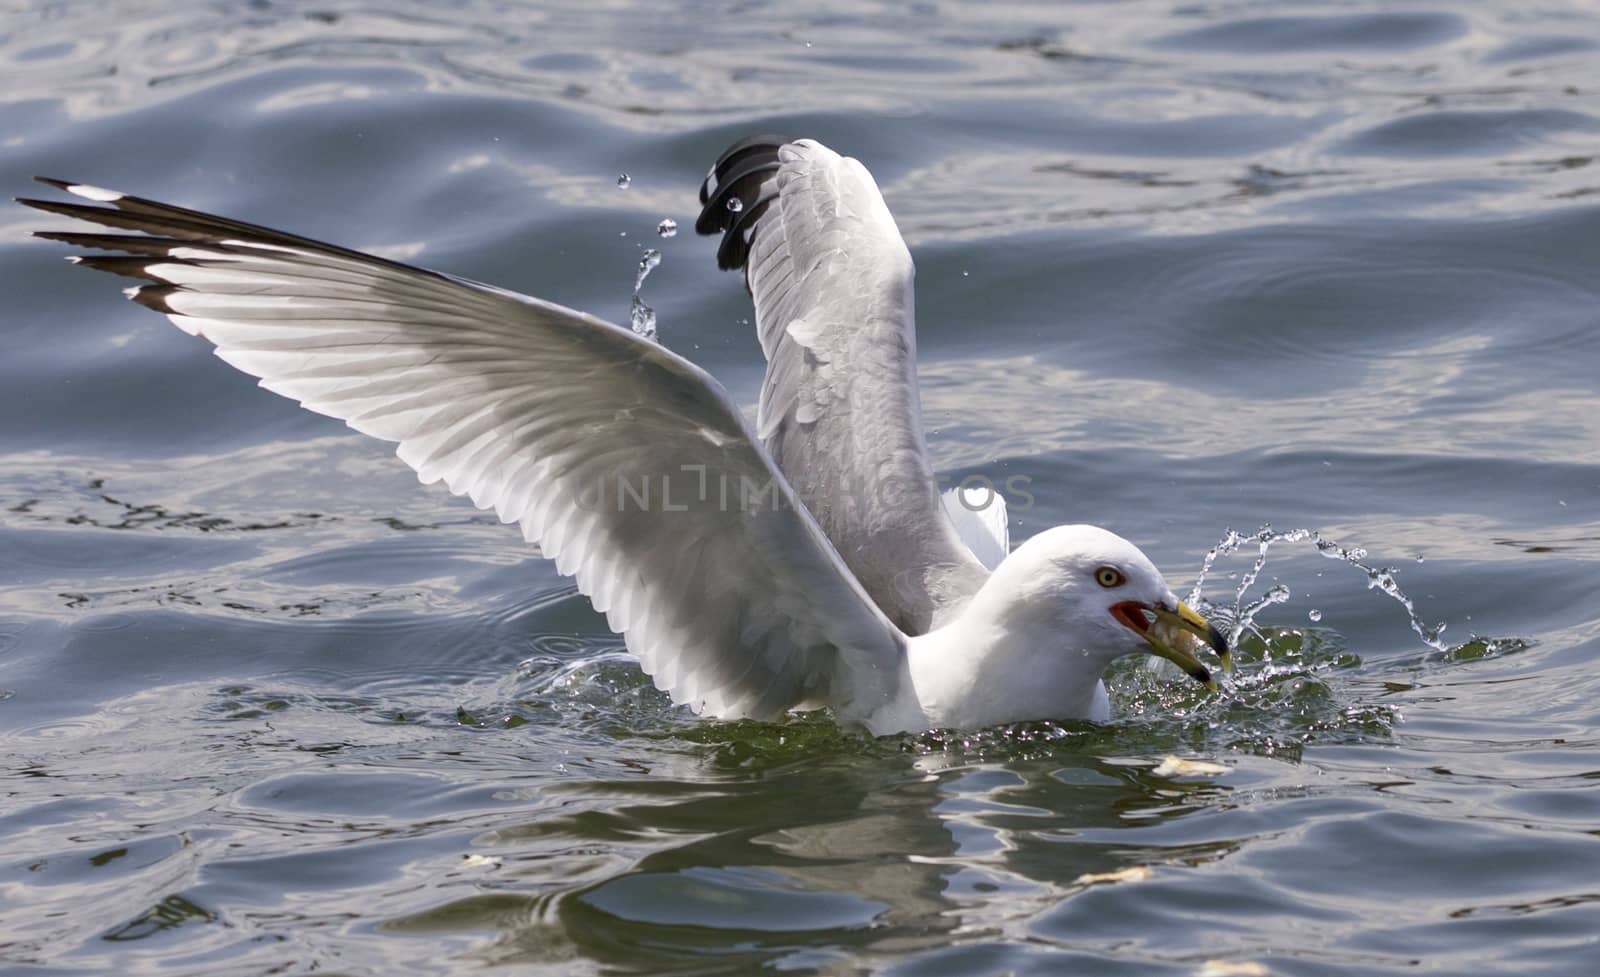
(269, 706)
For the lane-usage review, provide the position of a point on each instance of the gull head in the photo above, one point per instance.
(1090, 593)
(1037, 637)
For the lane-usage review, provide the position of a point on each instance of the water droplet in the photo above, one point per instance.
(667, 228)
(647, 264)
(641, 317)
(735, 205)
(1314, 614)
(623, 180)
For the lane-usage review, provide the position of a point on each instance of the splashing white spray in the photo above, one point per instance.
(1243, 615)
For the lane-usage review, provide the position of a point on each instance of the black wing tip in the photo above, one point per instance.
(741, 173)
(48, 181)
(51, 207)
(160, 228)
(72, 208)
(135, 265)
(64, 208)
(154, 296)
(765, 144)
(87, 191)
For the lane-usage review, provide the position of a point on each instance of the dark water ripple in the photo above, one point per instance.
(267, 706)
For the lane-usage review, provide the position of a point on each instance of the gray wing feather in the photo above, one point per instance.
(831, 279)
(627, 464)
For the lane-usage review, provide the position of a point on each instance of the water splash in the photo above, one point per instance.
(1245, 617)
(667, 228)
(640, 316)
(1380, 579)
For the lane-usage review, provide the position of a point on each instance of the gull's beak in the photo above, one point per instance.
(1170, 636)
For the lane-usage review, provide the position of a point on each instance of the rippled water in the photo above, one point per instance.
(267, 706)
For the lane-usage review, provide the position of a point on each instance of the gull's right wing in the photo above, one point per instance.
(626, 463)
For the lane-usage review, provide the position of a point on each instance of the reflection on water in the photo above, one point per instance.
(270, 707)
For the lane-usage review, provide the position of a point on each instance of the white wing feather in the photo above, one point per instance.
(980, 519)
(722, 584)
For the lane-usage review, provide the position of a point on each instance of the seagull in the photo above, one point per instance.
(806, 561)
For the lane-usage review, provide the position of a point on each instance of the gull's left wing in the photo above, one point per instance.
(840, 412)
(627, 464)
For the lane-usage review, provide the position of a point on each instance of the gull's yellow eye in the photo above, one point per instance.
(1109, 577)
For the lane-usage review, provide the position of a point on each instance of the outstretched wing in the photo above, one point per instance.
(627, 464)
(832, 284)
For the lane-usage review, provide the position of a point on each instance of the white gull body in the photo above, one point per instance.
(633, 470)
